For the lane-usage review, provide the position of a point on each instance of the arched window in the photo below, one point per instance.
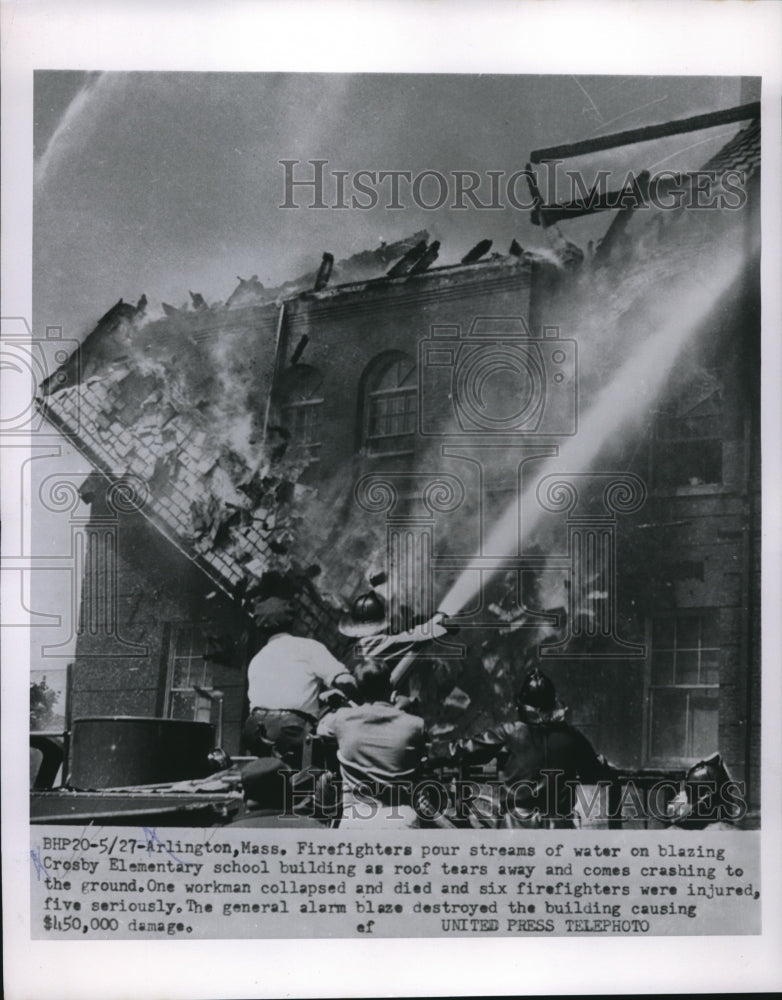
(300, 405)
(390, 416)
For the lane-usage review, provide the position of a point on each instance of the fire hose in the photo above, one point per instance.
(432, 629)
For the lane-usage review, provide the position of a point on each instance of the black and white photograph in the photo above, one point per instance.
(390, 533)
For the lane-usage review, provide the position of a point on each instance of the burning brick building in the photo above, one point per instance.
(296, 437)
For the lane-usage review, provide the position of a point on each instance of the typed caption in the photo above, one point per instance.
(140, 882)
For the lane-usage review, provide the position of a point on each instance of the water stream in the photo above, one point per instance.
(617, 408)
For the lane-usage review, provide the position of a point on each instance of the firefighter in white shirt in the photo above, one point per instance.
(284, 680)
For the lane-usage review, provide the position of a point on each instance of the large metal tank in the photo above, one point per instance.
(113, 751)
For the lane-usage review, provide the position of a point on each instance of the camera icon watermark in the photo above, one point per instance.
(26, 365)
(497, 380)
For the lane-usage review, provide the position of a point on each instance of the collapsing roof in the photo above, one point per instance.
(741, 155)
(179, 406)
(180, 403)
(197, 488)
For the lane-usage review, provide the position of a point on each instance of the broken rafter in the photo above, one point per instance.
(425, 262)
(405, 262)
(324, 272)
(478, 251)
(635, 193)
(630, 136)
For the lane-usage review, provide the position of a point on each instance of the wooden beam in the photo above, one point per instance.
(728, 115)
(547, 215)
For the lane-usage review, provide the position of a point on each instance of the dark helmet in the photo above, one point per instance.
(367, 616)
(537, 691)
(218, 760)
(705, 785)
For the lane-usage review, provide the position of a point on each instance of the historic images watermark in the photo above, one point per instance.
(314, 184)
(35, 368)
(27, 364)
(536, 380)
(528, 804)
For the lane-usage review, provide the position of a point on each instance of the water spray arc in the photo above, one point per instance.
(618, 407)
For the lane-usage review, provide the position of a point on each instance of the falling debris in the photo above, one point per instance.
(178, 403)
(458, 699)
(109, 342)
(568, 253)
(491, 662)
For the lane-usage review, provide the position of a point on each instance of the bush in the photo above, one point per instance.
(42, 699)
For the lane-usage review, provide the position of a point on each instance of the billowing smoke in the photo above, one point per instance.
(640, 371)
(193, 388)
(637, 320)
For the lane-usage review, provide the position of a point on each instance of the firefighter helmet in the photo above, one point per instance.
(537, 691)
(367, 616)
(705, 786)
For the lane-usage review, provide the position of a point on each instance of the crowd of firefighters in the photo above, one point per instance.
(376, 748)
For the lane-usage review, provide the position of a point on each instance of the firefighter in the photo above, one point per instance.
(284, 682)
(709, 798)
(380, 749)
(539, 758)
